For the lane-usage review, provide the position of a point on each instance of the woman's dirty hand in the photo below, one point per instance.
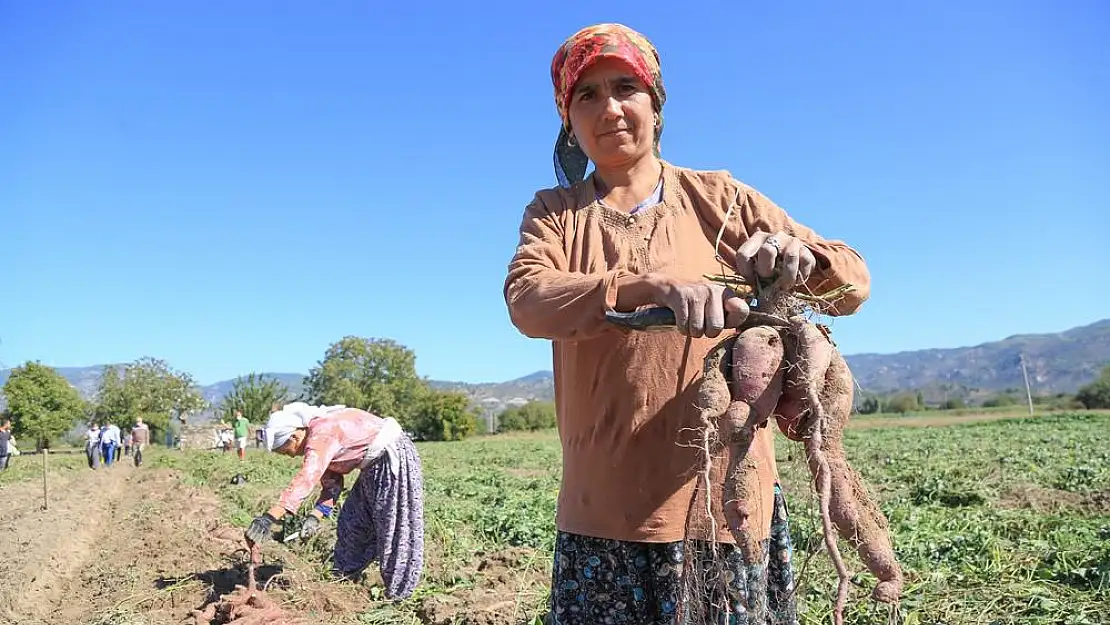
(703, 309)
(763, 254)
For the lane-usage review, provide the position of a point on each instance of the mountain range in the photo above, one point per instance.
(1056, 363)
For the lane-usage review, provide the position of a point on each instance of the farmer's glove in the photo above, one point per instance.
(259, 529)
(310, 527)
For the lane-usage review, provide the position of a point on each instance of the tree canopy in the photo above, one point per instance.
(41, 403)
(1097, 393)
(254, 396)
(379, 376)
(147, 388)
(376, 375)
(532, 416)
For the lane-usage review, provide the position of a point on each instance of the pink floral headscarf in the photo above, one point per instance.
(576, 55)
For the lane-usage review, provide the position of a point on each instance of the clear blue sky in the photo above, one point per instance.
(233, 186)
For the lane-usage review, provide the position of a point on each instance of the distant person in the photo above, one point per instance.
(92, 445)
(140, 438)
(5, 443)
(127, 443)
(242, 431)
(109, 442)
(260, 437)
(383, 516)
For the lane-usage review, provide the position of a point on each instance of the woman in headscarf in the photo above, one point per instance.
(639, 231)
(382, 518)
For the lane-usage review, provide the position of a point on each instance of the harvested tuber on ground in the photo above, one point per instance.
(247, 605)
(792, 372)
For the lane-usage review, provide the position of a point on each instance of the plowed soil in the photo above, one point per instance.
(139, 546)
(125, 545)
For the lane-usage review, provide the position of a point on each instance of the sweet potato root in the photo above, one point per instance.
(756, 385)
(797, 376)
(858, 519)
(820, 387)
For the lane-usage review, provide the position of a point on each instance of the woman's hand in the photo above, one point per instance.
(703, 309)
(757, 258)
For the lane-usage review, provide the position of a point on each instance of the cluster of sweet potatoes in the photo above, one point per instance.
(794, 374)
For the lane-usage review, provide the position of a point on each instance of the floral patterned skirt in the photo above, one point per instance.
(597, 581)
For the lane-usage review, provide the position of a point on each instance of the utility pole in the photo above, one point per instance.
(1025, 374)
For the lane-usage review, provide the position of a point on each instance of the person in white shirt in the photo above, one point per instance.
(109, 443)
(92, 445)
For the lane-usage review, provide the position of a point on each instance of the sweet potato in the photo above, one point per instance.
(858, 519)
(740, 386)
(795, 375)
(825, 405)
(756, 385)
(799, 376)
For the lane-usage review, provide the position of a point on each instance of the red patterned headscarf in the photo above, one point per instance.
(576, 55)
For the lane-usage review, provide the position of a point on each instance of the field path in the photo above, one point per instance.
(40, 550)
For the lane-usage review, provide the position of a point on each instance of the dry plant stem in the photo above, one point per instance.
(741, 287)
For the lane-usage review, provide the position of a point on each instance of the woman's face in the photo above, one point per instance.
(611, 114)
(293, 446)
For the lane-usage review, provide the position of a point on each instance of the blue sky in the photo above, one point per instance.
(234, 186)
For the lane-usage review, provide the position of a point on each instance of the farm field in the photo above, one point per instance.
(996, 521)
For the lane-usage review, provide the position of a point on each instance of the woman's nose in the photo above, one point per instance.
(612, 107)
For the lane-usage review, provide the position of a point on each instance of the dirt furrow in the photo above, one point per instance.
(53, 544)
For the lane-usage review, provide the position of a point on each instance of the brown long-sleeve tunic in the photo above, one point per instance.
(625, 400)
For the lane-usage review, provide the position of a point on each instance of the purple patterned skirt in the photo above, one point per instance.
(383, 520)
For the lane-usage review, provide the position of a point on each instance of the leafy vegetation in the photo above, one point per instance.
(149, 388)
(41, 404)
(379, 375)
(254, 396)
(1097, 393)
(997, 523)
(532, 416)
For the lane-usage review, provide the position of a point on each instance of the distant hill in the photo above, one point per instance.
(1057, 363)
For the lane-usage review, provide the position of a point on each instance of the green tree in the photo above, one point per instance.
(147, 388)
(1097, 393)
(376, 375)
(254, 396)
(41, 403)
(443, 416)
(870, 405)
(532, 416)
(903, 403)
(1000, 400)
(954, 403)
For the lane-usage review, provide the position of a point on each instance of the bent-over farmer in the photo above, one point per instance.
(383, 516)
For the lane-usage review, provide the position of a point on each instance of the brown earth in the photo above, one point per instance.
(125, 545)
(139, 546)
